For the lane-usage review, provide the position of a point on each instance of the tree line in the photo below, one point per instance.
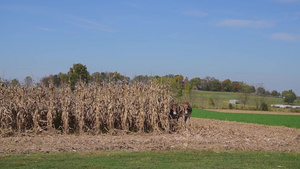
(178, 83)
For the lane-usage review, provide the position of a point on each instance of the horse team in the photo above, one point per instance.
(180, 110)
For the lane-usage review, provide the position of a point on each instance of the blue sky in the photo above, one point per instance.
(257, 41)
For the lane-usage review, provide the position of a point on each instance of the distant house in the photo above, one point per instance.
(234, 101)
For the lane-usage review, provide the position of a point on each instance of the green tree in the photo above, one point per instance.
(290, 97)
(45, 81)
(170, 76)
(187, 87)
(215, 85)
(118, 77)
(56, 80)
(236, 86)
(64, 78)
(227, 85)
(243, 97)
(205, 83)
(252, 89)
(96, 77)
(264, 106)
(179, 93)
(284, 93)
(274, 93)
(159, 80)
(78, 73)
(28, 81)
(230, 106)
(268, 93)
(210, 84)
(141, 78)
(178, 79)
(176, 83)
(15, 82)
(245, 88)
(194, 82)
(186, 80)
(261, 91)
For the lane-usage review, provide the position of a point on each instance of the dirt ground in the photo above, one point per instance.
(253, 112)
(203, 134)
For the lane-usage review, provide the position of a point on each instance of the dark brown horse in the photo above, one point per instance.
(187, 111)
(173, 111)
(177, 111)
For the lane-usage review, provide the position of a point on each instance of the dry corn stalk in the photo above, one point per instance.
(95, 108)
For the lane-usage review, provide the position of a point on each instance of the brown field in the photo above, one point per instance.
(203, 134)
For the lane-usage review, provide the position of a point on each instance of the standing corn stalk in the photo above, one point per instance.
(96, 108)
(51, 107)
(66, 108)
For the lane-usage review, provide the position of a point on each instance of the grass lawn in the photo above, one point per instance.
(168, 159)
(265, 119)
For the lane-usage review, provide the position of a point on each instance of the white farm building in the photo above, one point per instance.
(285, 106)
(234, 101)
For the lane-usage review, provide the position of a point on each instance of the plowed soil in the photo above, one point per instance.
(203, 134)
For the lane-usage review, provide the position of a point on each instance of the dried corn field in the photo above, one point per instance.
(90, 108)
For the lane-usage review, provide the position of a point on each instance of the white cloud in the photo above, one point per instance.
(285, 37)
(245, 23)
(47, 29)
(90, 24)
(196, 14)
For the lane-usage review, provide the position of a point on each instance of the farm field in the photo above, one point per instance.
(265, 119)
(221, 100)
(201, 134)
(253, 111)
(153, 159)
(206, 143)
(54, 123)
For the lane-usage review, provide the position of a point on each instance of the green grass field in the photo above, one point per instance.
(169, 159)
(265, 119)
(201, 99)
